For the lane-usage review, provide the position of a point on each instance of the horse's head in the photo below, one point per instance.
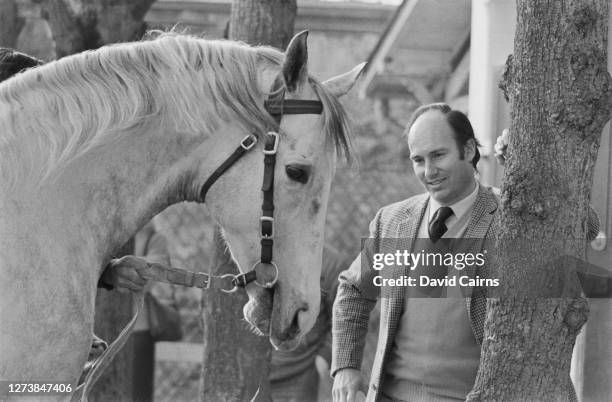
(305, 165)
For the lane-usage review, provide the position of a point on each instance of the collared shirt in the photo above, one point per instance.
(460, 208)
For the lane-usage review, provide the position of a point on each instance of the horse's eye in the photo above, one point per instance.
(297, 173)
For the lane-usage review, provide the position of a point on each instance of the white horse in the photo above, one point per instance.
(94, 145)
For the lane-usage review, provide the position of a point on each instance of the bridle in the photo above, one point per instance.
(277, 106)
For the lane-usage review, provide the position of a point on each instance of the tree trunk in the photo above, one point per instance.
(10, 23)
(80, 25)
(113, 312)
(67, 32)
(236, 363)
(263, 22)
(560, 95)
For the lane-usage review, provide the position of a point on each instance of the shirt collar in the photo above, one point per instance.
(459, 208)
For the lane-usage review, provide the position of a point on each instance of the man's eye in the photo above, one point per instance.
(297, 173)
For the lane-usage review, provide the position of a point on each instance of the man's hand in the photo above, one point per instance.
(501, 145)
(126, 274)
(346, 384)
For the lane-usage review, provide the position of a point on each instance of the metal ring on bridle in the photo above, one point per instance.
(267, 285)
(233, 282)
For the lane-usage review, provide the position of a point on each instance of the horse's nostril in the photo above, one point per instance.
(303, 308)
(295, 324)
(294, 328)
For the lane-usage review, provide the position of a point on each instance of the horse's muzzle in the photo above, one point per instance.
(258, 311)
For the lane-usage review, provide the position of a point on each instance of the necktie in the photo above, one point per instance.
(437, 228)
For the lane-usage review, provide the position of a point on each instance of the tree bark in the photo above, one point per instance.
(236, 363)
(10, 23)
(67, 30)
(560, 95)
(113, 312)
(263, 22)
(88, 24)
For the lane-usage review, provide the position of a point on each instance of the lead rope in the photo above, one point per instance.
(102, 362)
(161, 273)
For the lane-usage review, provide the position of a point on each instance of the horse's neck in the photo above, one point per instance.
(133, 182)
(100, 200)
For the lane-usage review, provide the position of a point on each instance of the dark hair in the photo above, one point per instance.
(462, 128)
(12, 62)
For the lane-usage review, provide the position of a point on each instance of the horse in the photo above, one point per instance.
(93, 145)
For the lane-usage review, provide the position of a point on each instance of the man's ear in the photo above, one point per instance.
(469, 149)
(341, 84)
(295, 70)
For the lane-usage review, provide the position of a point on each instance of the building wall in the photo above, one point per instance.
(492, 40)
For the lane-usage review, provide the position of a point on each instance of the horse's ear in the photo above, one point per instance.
(296, 60)
(341, 84)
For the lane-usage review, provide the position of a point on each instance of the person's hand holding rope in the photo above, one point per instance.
(126, 274)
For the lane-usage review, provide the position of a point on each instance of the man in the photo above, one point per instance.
(428, 349)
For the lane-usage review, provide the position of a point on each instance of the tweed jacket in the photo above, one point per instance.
(356, 298)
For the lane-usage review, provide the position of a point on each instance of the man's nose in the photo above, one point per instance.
(430, 169)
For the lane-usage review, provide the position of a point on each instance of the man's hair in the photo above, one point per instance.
(462, 128)
(12, 62)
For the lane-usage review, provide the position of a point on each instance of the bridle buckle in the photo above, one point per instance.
(275, 146)
(263, 229)
(245, 144)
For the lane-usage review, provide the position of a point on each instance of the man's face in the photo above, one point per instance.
(436, 159)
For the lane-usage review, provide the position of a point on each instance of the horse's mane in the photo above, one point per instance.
(53, 114)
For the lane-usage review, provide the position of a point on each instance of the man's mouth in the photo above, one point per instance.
(435, 183)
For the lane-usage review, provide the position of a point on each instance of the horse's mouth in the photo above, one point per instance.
(263, 312)
(258, 311)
